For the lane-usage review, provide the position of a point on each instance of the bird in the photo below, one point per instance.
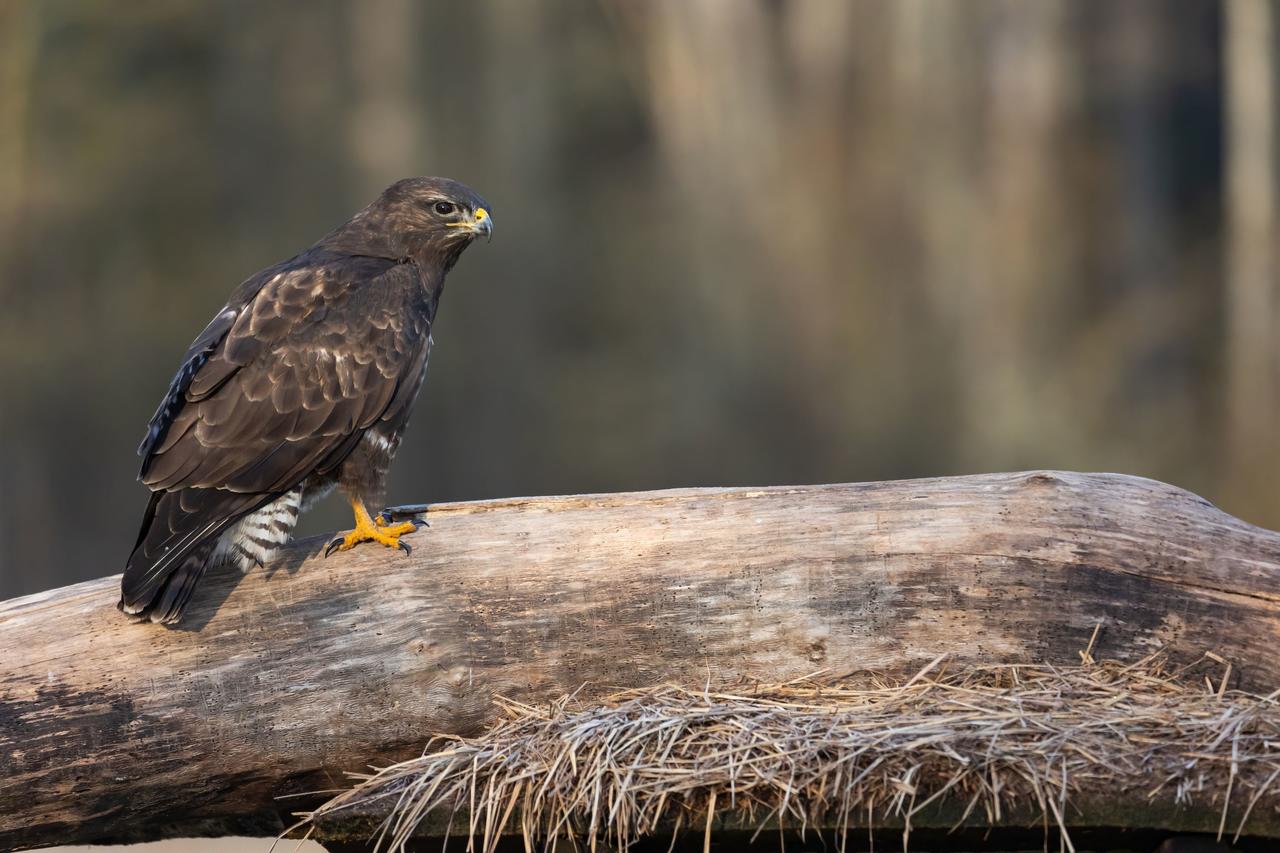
(304, 381)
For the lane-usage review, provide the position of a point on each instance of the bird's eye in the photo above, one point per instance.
(444, 208)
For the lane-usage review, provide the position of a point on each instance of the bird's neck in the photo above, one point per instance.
(431, 280)
(445, 256)
(353, 239)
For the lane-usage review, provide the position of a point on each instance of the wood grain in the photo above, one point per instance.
(280, 680)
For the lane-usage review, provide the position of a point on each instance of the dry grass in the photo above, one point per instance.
(814, 753)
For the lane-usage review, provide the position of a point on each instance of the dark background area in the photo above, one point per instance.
(736, 243)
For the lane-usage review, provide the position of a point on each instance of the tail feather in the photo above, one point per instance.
(179, 532)
(171, 598)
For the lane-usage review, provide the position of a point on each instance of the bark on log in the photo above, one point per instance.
(280, 680)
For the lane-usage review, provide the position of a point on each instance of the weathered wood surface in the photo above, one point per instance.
(280, 680)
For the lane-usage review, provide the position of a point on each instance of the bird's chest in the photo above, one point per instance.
(364, 472)
(381, 441)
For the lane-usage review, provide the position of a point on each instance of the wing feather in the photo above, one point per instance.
(182, 423)
(193, 363)
(301, 367)
(310, 420)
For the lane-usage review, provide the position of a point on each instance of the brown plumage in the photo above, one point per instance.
(304, 381)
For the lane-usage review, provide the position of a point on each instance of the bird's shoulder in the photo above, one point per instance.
(309, 294)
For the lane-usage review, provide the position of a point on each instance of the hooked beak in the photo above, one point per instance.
(481, 223)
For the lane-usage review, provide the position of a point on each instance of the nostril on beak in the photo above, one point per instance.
(484, 222)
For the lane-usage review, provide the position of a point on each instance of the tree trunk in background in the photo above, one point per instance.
(384, 134)
(1026, 64)
(1253, 256)
(18, 55)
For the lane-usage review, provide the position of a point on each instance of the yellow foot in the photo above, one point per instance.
(371, 530)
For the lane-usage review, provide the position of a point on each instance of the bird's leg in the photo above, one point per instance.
(369, 529)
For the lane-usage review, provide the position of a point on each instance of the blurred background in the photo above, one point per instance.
(736, 242)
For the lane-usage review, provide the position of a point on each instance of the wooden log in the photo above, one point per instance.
(280, 680)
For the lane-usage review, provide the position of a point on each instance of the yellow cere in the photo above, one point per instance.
(481, 216)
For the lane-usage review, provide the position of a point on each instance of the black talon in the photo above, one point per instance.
(404, 546)
(333, 544)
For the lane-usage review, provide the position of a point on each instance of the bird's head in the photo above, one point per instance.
(430, 220)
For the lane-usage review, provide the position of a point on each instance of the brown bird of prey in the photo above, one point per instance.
(303, 382)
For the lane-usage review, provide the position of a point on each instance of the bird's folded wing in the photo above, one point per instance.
(285, 382)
